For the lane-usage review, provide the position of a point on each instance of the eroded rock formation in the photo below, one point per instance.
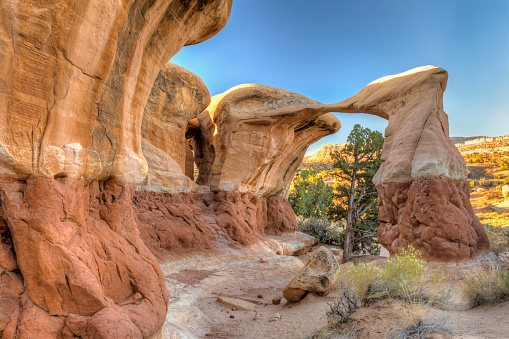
(75, 78)
(422, 183)
(97, 144)
(253, 138)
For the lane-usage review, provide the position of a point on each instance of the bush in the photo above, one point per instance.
(487, 285)
(482, 181)
(498, 237)
(324, 230)
(504, 165)
(404, 277)
(472, 183)
(346, 303)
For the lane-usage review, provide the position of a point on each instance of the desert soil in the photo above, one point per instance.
(196, 282)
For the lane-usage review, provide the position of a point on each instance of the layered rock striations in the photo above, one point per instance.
(75, 80)
(422, 183)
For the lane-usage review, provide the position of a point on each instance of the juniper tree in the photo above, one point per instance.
(354, 192)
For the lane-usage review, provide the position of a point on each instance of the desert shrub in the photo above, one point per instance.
(482, 181)
(419, 322)
(487, 285)
(404, 277)
(498, 237)
(506, 181)
(472, 183)
(497, 176)
(324, 230)
(504, 165)
(345, 304)
(492, 193)
(477, 158)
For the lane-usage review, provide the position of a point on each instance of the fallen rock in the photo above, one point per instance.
(319, 276)
(276, 301)
(257, 315)
(236, 303)
(276, 317)
(264, 260)
(295, 244)
(252, 301)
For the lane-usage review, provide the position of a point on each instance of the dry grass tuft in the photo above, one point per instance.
(487, 285)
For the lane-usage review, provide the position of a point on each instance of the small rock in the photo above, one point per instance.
(259, 296)
(232, 316)
(276, 301)
(257, 315)
(264, 260)
(276, 317)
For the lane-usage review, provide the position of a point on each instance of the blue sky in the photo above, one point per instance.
(328, 50)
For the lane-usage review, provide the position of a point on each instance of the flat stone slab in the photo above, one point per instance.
(238, 304)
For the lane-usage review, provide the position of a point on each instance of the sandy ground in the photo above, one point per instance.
(194, 284)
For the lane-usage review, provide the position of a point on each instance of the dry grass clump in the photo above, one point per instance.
(487, 285)
(418, 321)
(404, 277)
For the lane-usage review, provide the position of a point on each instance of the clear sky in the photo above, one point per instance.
(328, 50)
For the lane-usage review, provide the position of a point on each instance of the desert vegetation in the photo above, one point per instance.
(406, 283)
(346, 213)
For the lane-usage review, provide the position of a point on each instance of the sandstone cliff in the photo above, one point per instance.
(75, 78)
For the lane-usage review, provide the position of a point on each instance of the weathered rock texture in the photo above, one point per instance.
(422, 183)
(75, 80)
(179, 223)
(253, 138)
(177, 97)
(319, 276)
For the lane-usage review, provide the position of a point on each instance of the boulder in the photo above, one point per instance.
(319, 276)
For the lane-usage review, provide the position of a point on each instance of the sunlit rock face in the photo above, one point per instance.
(177, 97)
(422, 183)
(253, 138)
(75, 80)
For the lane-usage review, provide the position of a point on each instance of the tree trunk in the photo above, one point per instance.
(348, 247)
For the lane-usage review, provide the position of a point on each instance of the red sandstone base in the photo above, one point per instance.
(432, 214)
(178, 223)
(72, 263)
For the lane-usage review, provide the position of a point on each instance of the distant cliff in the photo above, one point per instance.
(323, 154)
(483, 144)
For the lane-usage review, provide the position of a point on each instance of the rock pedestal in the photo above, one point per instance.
(423, 192)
